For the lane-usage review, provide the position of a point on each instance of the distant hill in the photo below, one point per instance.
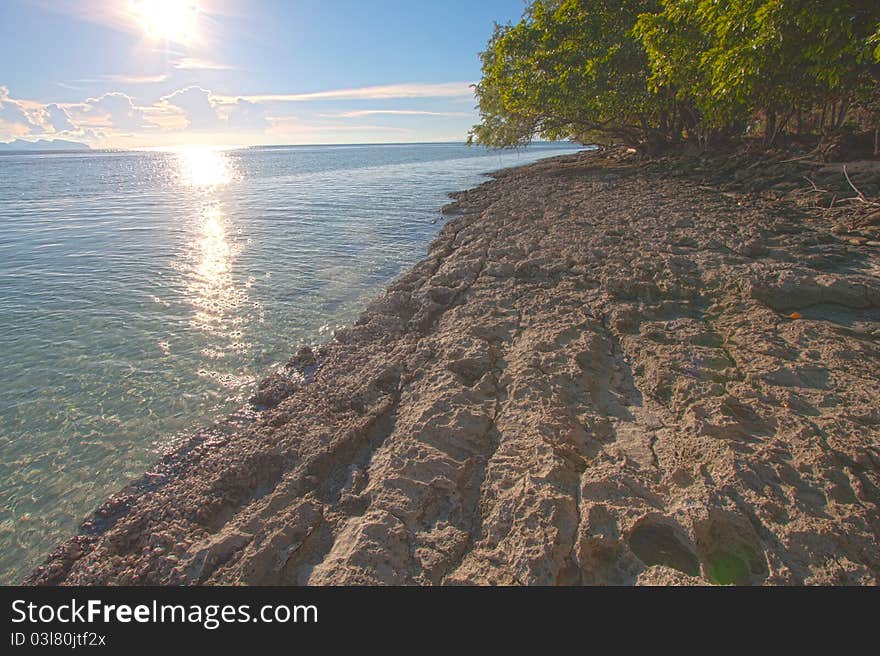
(42, 144)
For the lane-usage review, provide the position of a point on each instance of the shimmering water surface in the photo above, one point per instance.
(144, 293)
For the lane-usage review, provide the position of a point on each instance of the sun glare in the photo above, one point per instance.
(170, 20)
(204, 166)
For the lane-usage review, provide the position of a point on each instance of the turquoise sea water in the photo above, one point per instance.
(143, 294)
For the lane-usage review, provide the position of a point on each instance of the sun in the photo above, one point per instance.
(169, 20)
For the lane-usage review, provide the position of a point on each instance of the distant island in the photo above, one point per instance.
(42, 145)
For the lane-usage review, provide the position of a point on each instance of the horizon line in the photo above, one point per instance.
(182, 146)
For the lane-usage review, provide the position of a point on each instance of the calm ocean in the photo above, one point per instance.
(144, 293)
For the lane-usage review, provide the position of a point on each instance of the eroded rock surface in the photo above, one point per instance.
(592, 378)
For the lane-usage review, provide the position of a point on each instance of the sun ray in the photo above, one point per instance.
(168, 20)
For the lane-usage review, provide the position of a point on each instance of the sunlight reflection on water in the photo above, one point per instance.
(144, 293)
(217, 299)
(213, 292)
(204, 167)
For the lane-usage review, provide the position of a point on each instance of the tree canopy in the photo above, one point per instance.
(654, 73)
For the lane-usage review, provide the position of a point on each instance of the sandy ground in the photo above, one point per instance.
(600, 374)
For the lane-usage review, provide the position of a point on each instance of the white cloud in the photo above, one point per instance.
(360, 113)
(197, 64)
(196, 104)
(58, 118)
(247, 116)
(13, 112)
(200, 107)
(194, 113)
(125, 79)
(118, 109)
(386, 92)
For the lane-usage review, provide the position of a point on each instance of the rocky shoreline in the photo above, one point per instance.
(603, 373)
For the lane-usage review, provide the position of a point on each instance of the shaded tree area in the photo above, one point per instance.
(659, 74)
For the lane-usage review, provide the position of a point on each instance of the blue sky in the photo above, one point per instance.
(153, 73)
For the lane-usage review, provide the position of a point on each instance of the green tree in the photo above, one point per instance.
(649, 73)
(779, 58)
(875, 40)
(569, 69)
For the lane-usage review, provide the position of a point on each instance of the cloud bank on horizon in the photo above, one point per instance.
(154, 73)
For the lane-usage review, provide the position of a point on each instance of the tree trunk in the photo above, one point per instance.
(841, 117)
(769, 128)
(780, 127)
